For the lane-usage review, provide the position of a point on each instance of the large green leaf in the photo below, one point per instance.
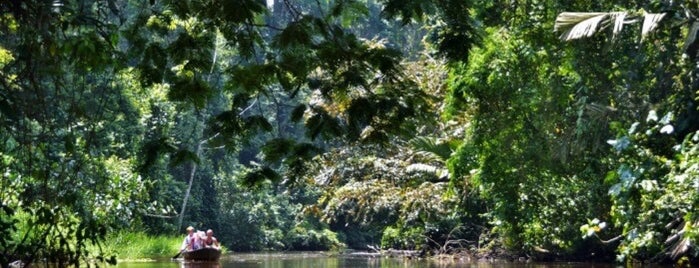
(297, 113)
(257, 123)
(192, 90)
(277, 149)
(260, 175)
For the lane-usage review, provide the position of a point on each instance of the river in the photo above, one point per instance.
(323, 260)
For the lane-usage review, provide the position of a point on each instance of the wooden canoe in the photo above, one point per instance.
(202, 254)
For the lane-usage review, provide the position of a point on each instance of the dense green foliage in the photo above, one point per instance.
(542, 112)
(441, 126)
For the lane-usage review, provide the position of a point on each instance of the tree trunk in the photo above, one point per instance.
(189, 186)
(191, 179)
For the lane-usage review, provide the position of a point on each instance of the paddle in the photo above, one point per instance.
(178, 254)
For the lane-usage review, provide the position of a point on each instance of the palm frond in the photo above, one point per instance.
(431, 147)
(650, 22)
(575, 25)
(618, 22)
(691, 35)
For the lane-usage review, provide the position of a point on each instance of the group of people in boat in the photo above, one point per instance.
(199, 239)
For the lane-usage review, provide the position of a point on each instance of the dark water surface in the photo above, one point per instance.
(316, 259)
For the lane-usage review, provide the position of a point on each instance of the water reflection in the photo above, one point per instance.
(320, 259)
(200, 265)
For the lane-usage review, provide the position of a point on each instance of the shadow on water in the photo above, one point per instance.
(321, 259)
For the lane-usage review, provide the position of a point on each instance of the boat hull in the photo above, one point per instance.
(203, 254)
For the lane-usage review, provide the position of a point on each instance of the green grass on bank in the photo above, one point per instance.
(139, 245)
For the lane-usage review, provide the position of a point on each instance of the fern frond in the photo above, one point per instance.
(430, 146)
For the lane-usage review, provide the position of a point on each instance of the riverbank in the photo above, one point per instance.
(141, 246)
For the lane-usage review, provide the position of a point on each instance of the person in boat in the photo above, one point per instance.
(191, 241)
(210, 241)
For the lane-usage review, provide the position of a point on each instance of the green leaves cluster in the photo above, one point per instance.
(651, 188)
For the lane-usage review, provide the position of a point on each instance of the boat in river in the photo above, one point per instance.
(202, 254)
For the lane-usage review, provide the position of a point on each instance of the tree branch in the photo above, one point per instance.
(612, 240)
(159, 216)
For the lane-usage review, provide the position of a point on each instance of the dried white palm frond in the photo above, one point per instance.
(691, 35)
(575, 25)
(650, 22)
(618, 22)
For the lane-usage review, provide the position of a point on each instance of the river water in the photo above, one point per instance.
(323, 260)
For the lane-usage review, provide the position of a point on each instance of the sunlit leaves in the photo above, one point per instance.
(5, 57)
(9, 23)
(5, 106)
(123, 192)
(644, 191)
(592, 227)
(161, 24)
(367, 192)
(363, 203)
